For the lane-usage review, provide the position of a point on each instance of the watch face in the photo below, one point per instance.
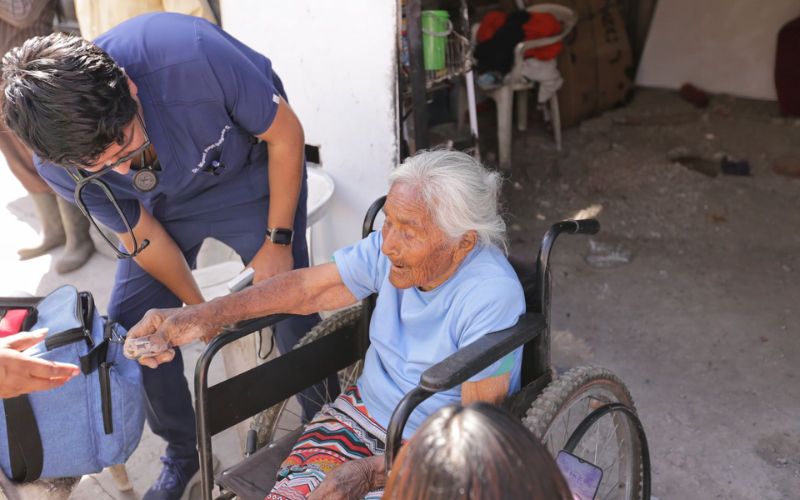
(145, 180)
(281, 236)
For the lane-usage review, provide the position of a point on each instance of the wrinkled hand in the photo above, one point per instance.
(152, 339)
(21, 374)
(351, 480)
(270, 260)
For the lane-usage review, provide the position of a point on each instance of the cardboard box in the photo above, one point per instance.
(614, 58)
(596, 63)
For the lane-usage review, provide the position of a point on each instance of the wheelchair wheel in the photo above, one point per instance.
(612, 443)
(286, 416)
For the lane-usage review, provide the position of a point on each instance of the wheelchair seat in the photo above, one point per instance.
(253, 477)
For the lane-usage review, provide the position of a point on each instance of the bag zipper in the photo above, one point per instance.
(84, 312)
(64, 338)
(105, 396)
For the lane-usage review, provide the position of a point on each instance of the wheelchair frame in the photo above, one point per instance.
(246, 394)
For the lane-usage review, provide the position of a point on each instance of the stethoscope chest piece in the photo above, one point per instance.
(145, 180)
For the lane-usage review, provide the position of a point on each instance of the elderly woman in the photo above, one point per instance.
(442, 280)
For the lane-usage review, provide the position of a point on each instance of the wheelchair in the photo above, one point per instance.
(587, 411)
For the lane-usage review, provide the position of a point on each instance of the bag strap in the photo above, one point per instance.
(24, 442)
(96, 359)
(93, 359)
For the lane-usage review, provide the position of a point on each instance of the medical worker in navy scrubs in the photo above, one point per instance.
(168, 131)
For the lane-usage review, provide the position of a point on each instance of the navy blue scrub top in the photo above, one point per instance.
(204, 96)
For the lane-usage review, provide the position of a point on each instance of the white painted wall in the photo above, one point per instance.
(719, 45)
(337, 62)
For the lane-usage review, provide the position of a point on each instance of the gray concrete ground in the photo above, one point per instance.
(701, 321)
(695, 308)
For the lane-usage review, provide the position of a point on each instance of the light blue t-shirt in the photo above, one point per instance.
(411, 330)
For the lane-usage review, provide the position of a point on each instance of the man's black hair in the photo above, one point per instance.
(65, 98)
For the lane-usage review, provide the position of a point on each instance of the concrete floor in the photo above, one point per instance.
(698, 315)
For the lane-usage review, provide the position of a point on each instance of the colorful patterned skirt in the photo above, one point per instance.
(340, 432)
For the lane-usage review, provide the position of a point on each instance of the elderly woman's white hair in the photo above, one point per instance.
(460, 193)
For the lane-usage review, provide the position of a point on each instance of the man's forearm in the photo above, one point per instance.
(163, 259)
(165, 262)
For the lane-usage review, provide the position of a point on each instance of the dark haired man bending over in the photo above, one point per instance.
(190, 132)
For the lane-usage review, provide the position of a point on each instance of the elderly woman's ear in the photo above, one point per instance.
(468, 241)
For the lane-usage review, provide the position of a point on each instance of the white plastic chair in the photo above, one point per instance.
(515, 83)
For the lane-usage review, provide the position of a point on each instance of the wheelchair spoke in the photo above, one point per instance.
(614, 431)
(297, 416)
(306, 397)
(596, 442)
(606, 467)
(326, 396)
(551, 445)
(606, 449)
(566, 425)
(615, 486)
(616, 458)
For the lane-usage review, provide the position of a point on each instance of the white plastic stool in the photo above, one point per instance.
(514, 83)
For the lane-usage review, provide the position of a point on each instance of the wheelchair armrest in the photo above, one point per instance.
(230, 334)
(458, 368)
(471, 359)
(23, 302)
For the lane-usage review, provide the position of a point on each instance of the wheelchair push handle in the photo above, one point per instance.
(575, 226)
(571, 226)
(586, 226)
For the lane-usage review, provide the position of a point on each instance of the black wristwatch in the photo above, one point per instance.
(280, 235)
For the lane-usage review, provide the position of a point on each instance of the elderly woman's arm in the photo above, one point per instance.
(489, 390)
(302, 291)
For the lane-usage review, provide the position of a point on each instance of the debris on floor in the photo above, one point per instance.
(603, 254)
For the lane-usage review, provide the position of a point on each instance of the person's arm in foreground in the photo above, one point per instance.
(302, 291)
(285, 141)
(21, 374)
(162, 258)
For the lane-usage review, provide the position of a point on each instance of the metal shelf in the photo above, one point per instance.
(415, 82)
(458, 62)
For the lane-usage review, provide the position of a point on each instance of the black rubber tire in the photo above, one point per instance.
(593, 387)
(267, 423)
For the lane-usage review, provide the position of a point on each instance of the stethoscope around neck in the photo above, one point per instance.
(145, 179)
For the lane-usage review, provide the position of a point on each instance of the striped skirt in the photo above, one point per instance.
(340, 432)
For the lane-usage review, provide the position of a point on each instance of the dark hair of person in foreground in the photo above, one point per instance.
(471, 453)
(65, 98)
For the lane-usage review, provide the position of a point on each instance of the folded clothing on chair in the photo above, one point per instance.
(499, 33)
